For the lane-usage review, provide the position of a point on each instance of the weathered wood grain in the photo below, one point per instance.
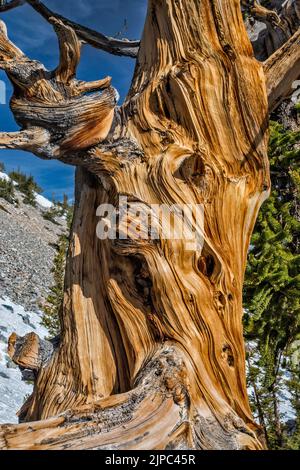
(151, 353)
(282, 69)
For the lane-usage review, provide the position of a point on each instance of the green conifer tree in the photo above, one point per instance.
(7, 191)
(271, 294)
(27, 186)
(54, 300)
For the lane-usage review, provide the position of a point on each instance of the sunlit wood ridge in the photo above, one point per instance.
(151, 353)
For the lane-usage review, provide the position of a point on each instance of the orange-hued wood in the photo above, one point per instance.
(151, 353)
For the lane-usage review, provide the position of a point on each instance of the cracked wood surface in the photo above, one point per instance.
(142, 315)
(281, 70)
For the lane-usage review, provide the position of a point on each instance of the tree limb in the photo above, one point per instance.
(6, 6)
(58, 113)
(264, 14)
(87, 87)
(69, 46)
(94, 38)
(31, 140)
(108, 44)
(8, 50)
(282, 69)
(280, 26)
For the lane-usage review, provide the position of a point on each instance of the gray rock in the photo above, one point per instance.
(27, 250)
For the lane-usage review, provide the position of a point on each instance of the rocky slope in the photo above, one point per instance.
(13, 390)
(27, 248)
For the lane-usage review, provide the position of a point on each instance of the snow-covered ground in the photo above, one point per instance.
(13, 318)
(43, 202)
(284, 397)
(4, 176)
(27, 249)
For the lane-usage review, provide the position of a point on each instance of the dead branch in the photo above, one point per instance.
(94, 38)
(264, 14)
(282, 69)
(6, 6)
(69, 46)
(111, 45)
(58, 113)
(279, 27)
(34, 140)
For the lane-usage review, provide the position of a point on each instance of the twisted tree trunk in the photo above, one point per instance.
(151, 353)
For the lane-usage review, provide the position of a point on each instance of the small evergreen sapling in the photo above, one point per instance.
(51, 309)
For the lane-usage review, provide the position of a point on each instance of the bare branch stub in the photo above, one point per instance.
(265, 15)
(29, 352)
(69, 46)
(57, 113)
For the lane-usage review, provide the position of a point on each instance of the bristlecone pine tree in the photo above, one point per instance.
(151, 354)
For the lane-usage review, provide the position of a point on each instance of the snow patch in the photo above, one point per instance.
(284, 395)
(13, 390)
(43, 202)
(4, 176)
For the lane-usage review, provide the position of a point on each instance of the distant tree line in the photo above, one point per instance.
(26, 185)
(21, 182)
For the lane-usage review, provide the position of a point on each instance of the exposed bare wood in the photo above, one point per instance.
(151, 350)
(154, 415)
(69, 46)
(264, 14)
(87, 87)
(280, 27)
(32, 140)
(282, 69)
(43, 99)
(30, 351)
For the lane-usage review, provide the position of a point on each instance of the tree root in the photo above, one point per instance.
(156, 414)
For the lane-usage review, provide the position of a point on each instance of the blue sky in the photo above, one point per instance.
(36, 38)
